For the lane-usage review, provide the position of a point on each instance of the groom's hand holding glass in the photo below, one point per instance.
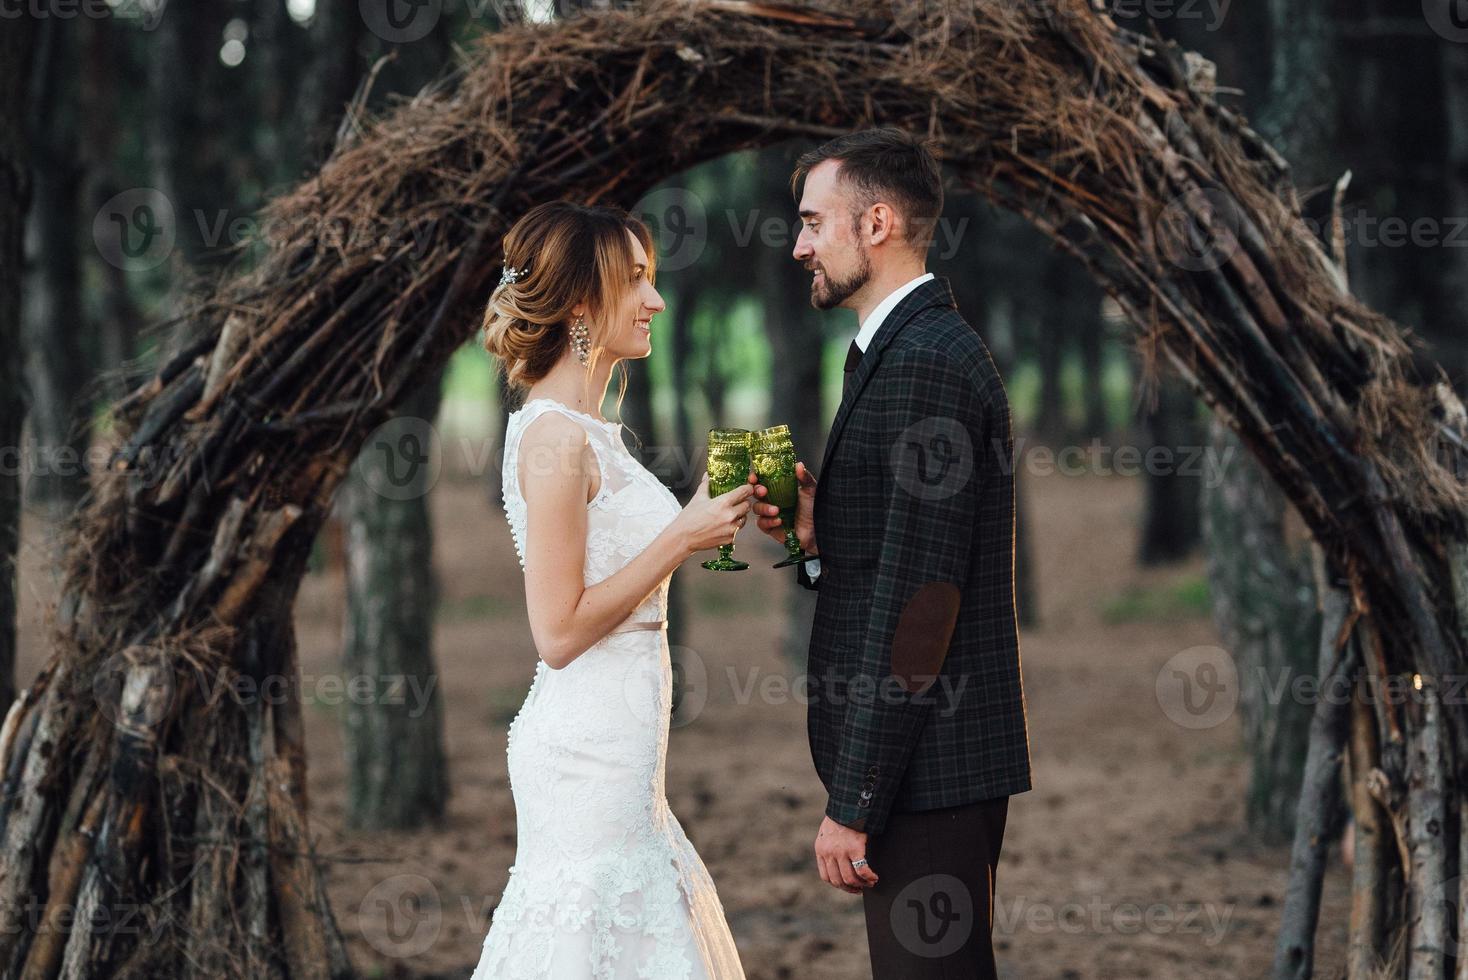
(769, 514)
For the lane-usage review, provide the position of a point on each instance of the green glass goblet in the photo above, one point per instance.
(728, 466)
(773, 455)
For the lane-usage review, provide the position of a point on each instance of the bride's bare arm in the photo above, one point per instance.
(558, 474)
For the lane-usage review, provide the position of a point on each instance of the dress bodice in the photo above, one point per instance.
(631, 508)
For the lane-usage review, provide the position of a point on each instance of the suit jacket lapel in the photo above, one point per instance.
(934, 292)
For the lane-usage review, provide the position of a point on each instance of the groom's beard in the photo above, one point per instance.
(837, 291)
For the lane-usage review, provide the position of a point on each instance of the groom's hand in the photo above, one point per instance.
(769, 514)
(836, 847)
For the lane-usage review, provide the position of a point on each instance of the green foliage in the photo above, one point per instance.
(1186, 598)
(726, 331)
(470, 373)
(1023, 387)
(471, 608)
(316, 560)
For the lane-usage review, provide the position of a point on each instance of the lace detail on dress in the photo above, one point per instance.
(605, 884)
(630, 509)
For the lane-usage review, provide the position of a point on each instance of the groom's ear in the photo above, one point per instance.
(924, 630)
(882, 221)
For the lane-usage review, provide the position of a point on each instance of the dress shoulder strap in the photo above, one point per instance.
(600, 435)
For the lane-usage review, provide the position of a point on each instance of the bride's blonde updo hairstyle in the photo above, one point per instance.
(569, 253)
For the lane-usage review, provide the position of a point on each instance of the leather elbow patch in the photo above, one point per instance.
(924, 630)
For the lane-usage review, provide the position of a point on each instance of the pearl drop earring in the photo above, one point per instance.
(581, 340)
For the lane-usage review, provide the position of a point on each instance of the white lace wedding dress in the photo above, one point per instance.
(605, 883)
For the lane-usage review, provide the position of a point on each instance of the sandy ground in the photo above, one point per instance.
(1126, 860)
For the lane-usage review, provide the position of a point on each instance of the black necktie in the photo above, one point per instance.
(853, 354)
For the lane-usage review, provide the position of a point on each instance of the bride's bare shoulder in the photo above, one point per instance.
(553, 428)
(556, 452)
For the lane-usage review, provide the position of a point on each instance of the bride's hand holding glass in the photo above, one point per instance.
(707, 522)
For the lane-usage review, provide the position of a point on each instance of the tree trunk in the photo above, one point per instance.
(715, 385)
(1091, 335)
(1261, 579)
(1404, 230)
(1376, 879)
(1318, 814)
(188, 155)
(1263, 594)
(1429, 900)
(1051, 311)
(58, 369)
(231, 454)
(1172, 521)
(280, 51)
(17, 42)
(1455, 281)
(116, 323)
(331, 77)
(397, 769)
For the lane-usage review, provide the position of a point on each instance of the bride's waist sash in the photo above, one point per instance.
(651, 624)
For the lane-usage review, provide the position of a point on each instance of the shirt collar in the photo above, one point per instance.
(875, 319)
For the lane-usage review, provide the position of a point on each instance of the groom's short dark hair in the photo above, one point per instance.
(886, 163)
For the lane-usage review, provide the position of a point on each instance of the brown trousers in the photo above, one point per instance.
(931, 914)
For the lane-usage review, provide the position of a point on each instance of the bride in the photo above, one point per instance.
(605, 883)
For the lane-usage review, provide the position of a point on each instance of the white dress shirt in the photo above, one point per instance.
(869, 328)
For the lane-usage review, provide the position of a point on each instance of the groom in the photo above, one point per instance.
(917, 714)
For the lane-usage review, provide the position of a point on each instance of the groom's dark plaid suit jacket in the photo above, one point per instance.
(914, 672)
